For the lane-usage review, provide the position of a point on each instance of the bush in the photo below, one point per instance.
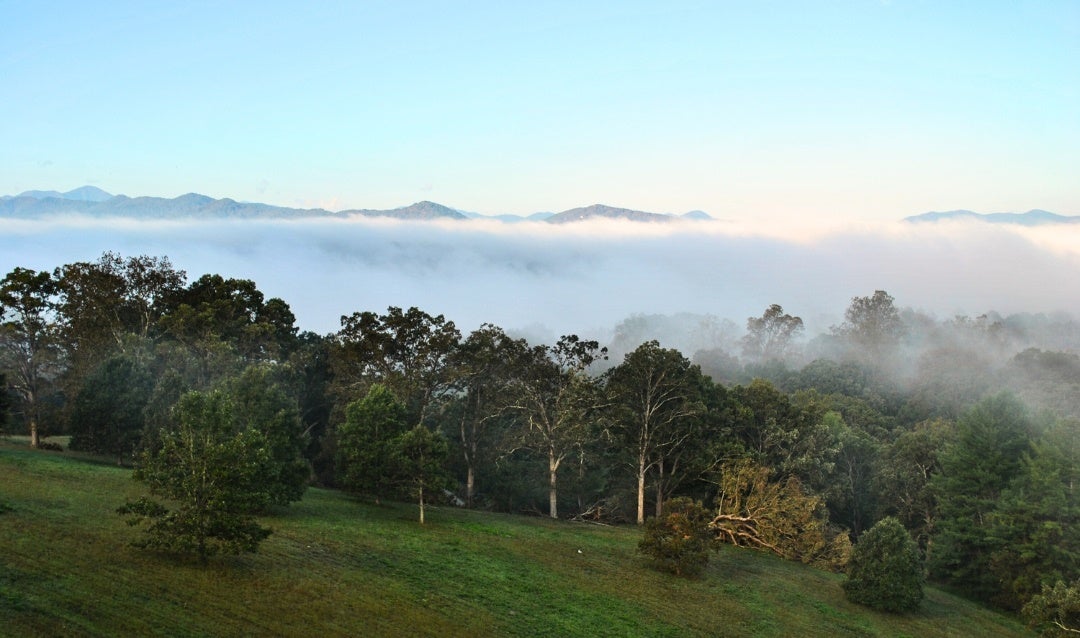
(885, 571)
(679, 541)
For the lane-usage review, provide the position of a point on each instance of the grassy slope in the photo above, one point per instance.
(338, 567)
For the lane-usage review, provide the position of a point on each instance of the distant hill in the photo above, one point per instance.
(94, 202)
(81, 194)
(600, 211)
(419, 211)
(1031, 218)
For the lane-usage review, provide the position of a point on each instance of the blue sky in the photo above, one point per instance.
(769, 111)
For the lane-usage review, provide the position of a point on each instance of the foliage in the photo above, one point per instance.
(656, 397)
(976, 469)
(107, 413)
(212, 473)
(678, 541)
(419, 455)
(261, 404)
(1035, 526)
(29, 345)
(872, 327)
(407, 351)
(769, 336)
(365, 460)
(1055, 611)
(885, 571)
(755, 511)
(554, 399)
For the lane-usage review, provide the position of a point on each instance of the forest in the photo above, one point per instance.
(965, 430)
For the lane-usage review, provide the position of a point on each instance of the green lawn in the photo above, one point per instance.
(338, 567)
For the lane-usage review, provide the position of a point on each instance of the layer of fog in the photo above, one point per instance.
(543, 281)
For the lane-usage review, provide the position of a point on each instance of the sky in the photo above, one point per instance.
(774, 112)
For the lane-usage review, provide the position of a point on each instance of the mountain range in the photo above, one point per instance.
(1033, 217)
(92, 201)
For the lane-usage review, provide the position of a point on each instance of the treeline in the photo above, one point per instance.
(906, 417)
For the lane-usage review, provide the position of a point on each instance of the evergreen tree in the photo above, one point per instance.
(976, 469)
(212, 473)
(885, 571)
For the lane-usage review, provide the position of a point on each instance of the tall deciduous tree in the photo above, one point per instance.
(484, 364)
(214, 476)
(407, 351)
(656, 396)
(769, 336)
(29, 341)
(555, 397)
(872, 326)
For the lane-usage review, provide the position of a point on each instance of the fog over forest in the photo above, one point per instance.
(541, 280)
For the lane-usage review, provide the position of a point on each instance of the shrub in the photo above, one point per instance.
(679, 541)
(885, 571)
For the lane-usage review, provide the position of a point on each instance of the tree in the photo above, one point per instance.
(769, 336)
(214, 310)
(904, 476)
(212, 472)
(885, 571)
(656, 396)
(419, 457)
(555, 397)
(755, 511)
(365, 443)
(407, 351)
(483, 366)
(871, 326)
(678, 541)
(262, 404)
(29, 346)
(1035, 526)
(1055, 611)
(976, 469)
(107, 414)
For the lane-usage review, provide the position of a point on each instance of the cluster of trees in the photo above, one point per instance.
(134, 361)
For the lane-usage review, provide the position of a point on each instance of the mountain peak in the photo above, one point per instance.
(602, 211)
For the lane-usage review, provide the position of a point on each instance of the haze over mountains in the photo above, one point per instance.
(551, 278)
(92, 201)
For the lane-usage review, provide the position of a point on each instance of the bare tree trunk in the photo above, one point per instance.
(553, 466)
(35, 439)
(641, 490)
(469, 482)
(421, 504)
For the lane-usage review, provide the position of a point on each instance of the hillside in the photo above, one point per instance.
(337, 567)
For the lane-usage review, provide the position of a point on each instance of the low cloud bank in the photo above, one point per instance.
(587, 277)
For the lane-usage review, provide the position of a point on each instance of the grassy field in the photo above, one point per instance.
(338, 567)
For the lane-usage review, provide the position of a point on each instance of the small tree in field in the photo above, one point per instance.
(214, 475)
(885, 571)
(420, 454)
(679, 541)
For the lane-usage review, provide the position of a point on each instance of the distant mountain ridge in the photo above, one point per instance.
(1034, 217)
(94, 202)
